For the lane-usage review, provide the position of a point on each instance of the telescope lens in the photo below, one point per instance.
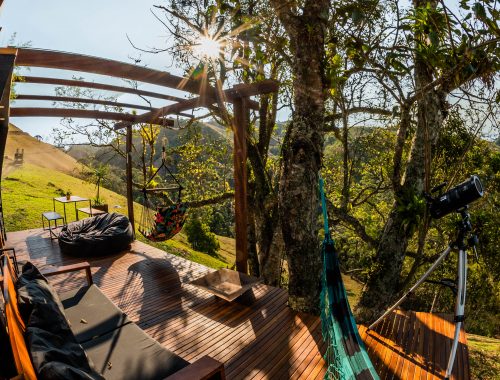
(458, 197)
(479, 185)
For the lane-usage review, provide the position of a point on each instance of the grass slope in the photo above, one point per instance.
(484, 357)
(28, 191)
(36, 152)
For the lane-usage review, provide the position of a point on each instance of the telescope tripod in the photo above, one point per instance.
(460, 244)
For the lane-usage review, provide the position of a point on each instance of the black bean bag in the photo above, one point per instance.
(100, 235)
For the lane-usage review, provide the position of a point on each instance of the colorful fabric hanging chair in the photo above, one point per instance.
(167, 222)
(160, 222)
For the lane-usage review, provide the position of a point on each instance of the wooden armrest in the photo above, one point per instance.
(70, 268)
(14, 257)
(202, 369)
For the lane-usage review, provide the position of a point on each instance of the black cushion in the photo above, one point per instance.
(90, 313)
(7, 368)
(100, 235)
(54, 351)
(130, 354)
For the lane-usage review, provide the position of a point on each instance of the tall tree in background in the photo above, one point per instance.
(448, 55)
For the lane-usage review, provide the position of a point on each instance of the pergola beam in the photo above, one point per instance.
(83, 114)
(175, 108)
(68, 99)
(78, 62)
(244, 90)
(98, 86)
(235, 93)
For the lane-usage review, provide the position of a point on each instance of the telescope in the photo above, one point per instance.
(455, 198)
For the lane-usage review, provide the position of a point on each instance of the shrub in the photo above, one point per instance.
(200, 237)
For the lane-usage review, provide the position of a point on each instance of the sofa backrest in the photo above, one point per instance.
(15, 324)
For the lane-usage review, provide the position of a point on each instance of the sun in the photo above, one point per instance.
(207, 48)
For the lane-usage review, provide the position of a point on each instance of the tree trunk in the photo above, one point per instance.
(253, 259)
(269, 256)
(302, 156)
(264, 210)
(383, 284)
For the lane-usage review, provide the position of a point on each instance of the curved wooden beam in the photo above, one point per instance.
(84, 114)
(98, 86)
(237, 92)
(82, 100)
(78, 62)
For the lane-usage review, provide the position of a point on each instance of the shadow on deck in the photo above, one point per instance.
(257, 336)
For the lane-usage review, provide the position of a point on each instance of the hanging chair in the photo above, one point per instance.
(160, 221)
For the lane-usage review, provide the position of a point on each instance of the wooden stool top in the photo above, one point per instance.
(91, 211)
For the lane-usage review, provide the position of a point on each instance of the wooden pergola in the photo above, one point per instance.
(203, 94)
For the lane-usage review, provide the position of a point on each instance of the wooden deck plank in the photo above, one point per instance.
(409, 366)
(295, 345)
(226, 334)
(402, 337)
(257, 337)
(296, 353)
(427, 318)
(306, 357)
(276, 345)
(275, 331)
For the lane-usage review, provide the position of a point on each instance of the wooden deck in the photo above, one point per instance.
(257, 336)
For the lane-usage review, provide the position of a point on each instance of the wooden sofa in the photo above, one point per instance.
(118, 348)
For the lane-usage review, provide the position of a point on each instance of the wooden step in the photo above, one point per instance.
(91, 211)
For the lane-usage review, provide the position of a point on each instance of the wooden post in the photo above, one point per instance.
(6, 69)
(130, 198)
(240, 182)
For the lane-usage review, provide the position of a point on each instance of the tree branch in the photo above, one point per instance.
(287, 18)
(353, 110)
(206, 202)
(354, 223)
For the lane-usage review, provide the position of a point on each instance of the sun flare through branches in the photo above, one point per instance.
(207, 48)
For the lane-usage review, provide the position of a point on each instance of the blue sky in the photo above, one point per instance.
(93, 27)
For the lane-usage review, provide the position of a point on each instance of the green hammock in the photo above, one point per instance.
(346, 354)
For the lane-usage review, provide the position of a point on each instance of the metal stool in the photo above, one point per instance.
(51, 216)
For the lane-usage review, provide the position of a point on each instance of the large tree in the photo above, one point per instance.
(447, 56)
(302, 150)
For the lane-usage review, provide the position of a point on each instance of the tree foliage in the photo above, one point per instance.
(200, 237)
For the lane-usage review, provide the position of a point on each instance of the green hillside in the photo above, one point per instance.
(28, 191)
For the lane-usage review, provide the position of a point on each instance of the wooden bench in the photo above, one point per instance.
(81, 304)
(91, 211)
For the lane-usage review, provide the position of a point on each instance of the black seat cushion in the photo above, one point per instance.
(90, 313)
(129, 353)
(7, 368)
(100, 235)
(54, 351)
